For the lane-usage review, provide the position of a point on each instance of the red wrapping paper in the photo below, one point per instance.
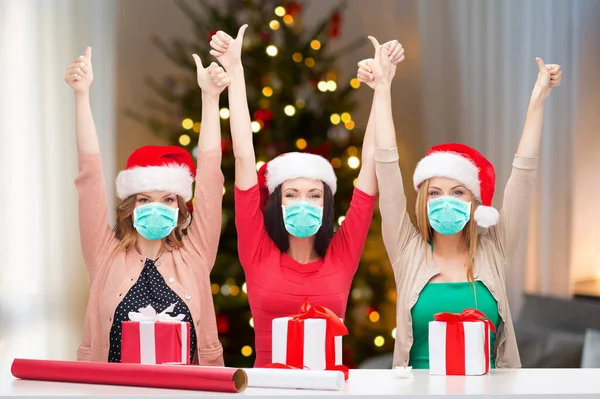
(218, 379)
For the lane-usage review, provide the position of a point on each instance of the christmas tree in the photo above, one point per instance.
(298, 102)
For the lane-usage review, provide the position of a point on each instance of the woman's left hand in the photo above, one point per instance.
(212, 80)
(549, 76)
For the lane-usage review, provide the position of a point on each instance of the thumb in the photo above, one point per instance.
(375, 43)
(88, 53)
(541, 64)
(198, 61)
(241, 32)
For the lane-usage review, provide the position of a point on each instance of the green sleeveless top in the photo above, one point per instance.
(453, 298)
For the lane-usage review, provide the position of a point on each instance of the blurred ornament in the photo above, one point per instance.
(323, 150)
(335, 25)
(226, 145)
(222, 323)
(339, 135)
(293, 8)
(265, 35)
(211, 34)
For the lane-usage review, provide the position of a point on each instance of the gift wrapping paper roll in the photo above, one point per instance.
(295, 379)
(218, 379)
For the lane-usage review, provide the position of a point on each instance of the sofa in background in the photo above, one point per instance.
(550, 334)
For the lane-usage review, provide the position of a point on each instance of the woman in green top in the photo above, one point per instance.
(447, 263)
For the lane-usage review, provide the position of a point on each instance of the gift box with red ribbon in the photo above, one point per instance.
(311, 340)
(459, 343)
(151, 338)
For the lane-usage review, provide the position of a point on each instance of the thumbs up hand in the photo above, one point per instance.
(79, 74)
(382, 68)
(212, 79)
(549, 76)
(226, 49)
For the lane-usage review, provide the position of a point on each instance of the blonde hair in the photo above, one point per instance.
(125, 231)
(469, 232)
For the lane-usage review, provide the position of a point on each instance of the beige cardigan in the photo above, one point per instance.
(186, 269)
(412, 259)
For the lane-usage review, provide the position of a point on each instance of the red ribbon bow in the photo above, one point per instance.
(455, 338)
(295, 338)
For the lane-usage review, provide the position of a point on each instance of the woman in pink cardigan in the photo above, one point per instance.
(146, 259)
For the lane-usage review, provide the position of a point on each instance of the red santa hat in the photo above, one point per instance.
(466, 165)
(157, 168)
(294, 165)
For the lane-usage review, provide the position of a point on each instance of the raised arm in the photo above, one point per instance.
(519, 188)
(229, 53)
(80, 76)
(204, 232)
(94, 230)
(397, 228)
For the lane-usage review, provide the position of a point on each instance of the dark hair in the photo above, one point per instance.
(276, 228)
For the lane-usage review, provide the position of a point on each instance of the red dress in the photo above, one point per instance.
(277, 284)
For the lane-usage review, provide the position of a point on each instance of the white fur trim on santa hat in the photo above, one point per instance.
(295, 165)
(175, 179)
(451, 165)
(486, 216)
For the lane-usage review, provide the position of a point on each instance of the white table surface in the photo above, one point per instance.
(499, 383)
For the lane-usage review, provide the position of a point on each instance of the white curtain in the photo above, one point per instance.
(479, 67)
(43, 283)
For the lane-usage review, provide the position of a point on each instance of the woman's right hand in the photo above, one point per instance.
(228, 50)
(80, 74)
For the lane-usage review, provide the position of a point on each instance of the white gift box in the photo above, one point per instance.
(312, 350)
(465, 353)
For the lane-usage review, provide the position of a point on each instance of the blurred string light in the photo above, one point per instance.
(374, 317)
(280, 11)
(315, 44)
(289, 110)
(274, 24)
(272, 50)
(353, 162)
(379, 341)
(247, 351)
(187, 123)
(288, 19)
(224, 113)
(301, 144)
(267, 91)
(184, 140)
(215, 288)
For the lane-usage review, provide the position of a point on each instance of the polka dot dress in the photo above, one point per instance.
(150, 289)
